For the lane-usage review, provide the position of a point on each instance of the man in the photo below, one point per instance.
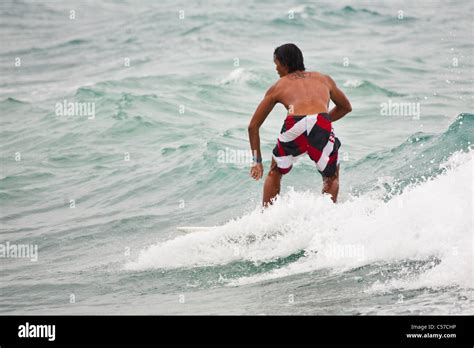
(307, 127)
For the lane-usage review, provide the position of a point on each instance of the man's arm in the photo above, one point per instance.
(263, 109)
(343, 106)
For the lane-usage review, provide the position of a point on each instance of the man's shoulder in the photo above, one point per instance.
(274, 86)
(319, 75)
(324, 78)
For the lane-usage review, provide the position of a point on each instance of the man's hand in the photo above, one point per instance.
(256, 171)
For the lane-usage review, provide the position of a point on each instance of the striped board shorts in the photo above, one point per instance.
(312, 134)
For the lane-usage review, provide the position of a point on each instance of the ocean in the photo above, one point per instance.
(123, 120)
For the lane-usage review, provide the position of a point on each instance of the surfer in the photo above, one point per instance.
(307, 127)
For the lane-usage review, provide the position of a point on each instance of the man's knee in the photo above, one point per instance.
(274, 170)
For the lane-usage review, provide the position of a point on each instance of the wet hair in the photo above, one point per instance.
(290, 56)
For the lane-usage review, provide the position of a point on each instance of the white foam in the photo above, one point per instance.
(301, 10)
(352, 83)
(239, 75)
(431, 219)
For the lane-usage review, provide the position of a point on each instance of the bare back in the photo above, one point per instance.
(304, 93)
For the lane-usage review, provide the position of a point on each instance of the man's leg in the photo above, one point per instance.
(272, 184)
(331, 185)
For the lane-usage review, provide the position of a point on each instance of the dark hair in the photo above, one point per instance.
(291, 56)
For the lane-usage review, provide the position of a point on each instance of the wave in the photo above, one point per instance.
(12, 101)
(9, 106)
(349, 10)
(317, 16)
(287, 22)
(416, 160)
(307, 20)
(420, 224)
(365, 13)
(239, 75)
(47, 49)
(417, 225)
(367, 86)
(129, 125)
(88, 92)
(20, 180)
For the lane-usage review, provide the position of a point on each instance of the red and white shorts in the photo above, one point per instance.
(312, 134)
